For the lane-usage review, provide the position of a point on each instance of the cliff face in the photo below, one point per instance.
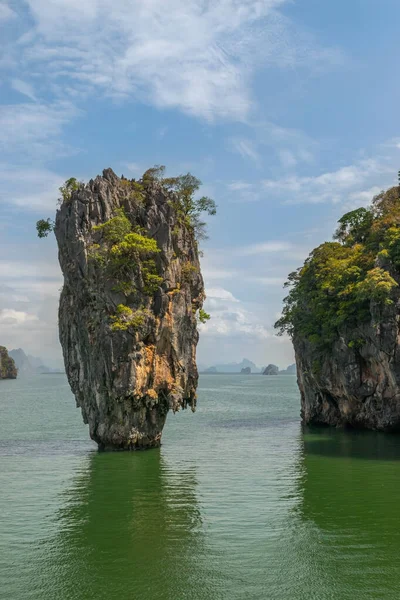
(343, 314)
(8, 369)
(354, 386)
(129, 347)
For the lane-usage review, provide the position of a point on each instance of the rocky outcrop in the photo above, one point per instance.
(8, 370)
(355, 385)
(246, 371)
(129, 352)
(271, 370)
(343, 315)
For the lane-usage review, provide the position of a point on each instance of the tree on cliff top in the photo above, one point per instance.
(182, 190)
(125, 253)
(339, 279)
(46, 226)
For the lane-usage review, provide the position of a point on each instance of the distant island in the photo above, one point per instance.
(8, 370)
(271, 370)
(274, 370)
(234, 367)
(29, 365)
(247, 367)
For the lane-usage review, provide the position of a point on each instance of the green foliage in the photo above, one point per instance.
(338, 281)
(151, 280)
(8, 369)
(354, 226)
(316, 367)
(184, 187)
(66, 190)
(357, 343)
(189, 209)
(155, 173)
(114, 230)
(188, 269)
(132, 244)
(126, 255)
(391, 245)
(203, 316)
(44, 227)
(136, 190)
(125, 318)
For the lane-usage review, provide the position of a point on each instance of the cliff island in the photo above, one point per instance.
(131, 301)
(8, 370)
(342, 313)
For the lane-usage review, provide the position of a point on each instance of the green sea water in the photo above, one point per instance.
(239, 502)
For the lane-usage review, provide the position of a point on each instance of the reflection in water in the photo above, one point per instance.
(239, 503)
(350, 494)
(131, 526)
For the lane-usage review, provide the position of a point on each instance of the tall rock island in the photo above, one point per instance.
(132, 297)
(8, 370)
(343, 314)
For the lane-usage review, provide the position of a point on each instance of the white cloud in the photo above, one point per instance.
(288, 159)
(9, 316)
(8, 294)
(275, 281)
(291, 146)
(351, 185)
(41, 287)
(246, 149)
(216, 274)
(23, 88)
(6, 12)
(195, 55)
(34, 129)
(229, 317)
(364, 196)
(221, 294)
(239, 186)
(262, 248)
(29, 294)
(23, 269)
(33, 189)
(331, 186)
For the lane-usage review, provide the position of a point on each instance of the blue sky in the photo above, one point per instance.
(286, 110)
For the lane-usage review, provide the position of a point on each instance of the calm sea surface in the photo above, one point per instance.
(238, 503)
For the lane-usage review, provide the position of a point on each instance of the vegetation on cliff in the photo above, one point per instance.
(182, 190)
(131, 301)
(8, 370)
(125, 254)
(339, 279)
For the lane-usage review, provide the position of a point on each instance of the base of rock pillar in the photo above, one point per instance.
(117, 436)
(130, 448)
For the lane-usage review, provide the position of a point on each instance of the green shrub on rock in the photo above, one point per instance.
(339, 280)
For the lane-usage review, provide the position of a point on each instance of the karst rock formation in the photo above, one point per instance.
(129, 346)
(8, 370)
